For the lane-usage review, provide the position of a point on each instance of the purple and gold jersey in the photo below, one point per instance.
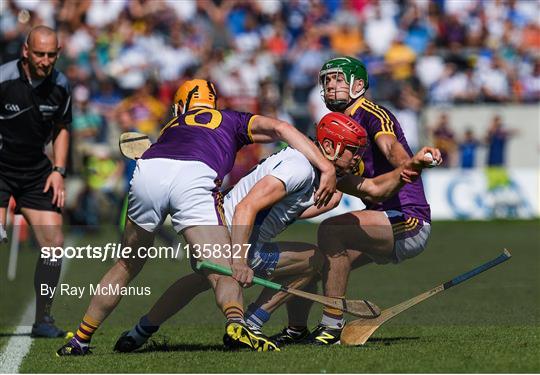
(378, 120)
(207, 135)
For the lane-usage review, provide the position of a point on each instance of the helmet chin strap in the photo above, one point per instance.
(331, 157)
(358, 94)
(178, 110)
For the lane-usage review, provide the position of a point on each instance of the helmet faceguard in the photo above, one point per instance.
(343, 132)
(194, 93)
(352, 69)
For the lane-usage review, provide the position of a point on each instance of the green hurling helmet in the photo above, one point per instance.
(352, 69)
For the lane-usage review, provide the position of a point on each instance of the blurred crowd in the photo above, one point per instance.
(125, 59)
(462, 150)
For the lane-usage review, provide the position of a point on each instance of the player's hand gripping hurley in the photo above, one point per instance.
(361, 308)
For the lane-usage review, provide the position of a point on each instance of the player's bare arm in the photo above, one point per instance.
(266, 129)
(383, 187)
(56, 178)
(314, 211)
(392, 149)
(265, 193)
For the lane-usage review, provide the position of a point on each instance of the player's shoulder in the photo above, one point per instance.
(235, 116)
(233, 112)
(292, 167)
(371, 109)
(297, 162)
(293, 154)
(9, 71)
(376, 118)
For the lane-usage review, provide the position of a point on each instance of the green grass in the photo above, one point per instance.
(16, 294)
(487, 324)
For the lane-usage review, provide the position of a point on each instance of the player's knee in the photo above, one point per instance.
(325, 233)
(135, 234)
(330, 229)
(53, 238)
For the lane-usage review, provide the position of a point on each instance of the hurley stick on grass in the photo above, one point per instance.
(361, 308)
(359, 331)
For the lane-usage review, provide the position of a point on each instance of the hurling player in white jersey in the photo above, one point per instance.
(263, 203)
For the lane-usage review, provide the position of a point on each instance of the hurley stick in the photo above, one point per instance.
(359, 331)
(133, 144)
(361, 308)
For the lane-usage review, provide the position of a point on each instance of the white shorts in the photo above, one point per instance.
(410, 235)
(186, 190)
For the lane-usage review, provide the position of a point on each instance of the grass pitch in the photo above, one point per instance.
(487, 324)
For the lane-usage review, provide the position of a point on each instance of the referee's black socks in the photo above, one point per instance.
(46, 277)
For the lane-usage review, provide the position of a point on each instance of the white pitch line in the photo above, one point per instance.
(19, 344)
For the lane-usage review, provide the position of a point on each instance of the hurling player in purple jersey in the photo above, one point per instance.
(180, 176)
(385, 232)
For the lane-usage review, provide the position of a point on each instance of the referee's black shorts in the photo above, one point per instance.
(27, 189)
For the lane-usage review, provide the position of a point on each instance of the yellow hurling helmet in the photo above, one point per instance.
(194, 93)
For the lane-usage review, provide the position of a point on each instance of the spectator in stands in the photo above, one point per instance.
(346, 38)
(306, 60)
(132, 62)
(380, 31)
(446, 88)
(494, 81)
(145, 108)
(429, 66)
(467, 150)
(496, 140)
(531, 83)
(443, 139)
(466, 87)
(87, 122)
(88, 127)
(454, 31)
(406, 106)
(400, 58)
(418, 30)
(175, 58)
(249, 38)
(316, 106)
(530, 35)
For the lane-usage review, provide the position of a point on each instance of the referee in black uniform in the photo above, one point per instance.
(35, 108)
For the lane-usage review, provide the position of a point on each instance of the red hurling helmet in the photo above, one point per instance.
(343, 132)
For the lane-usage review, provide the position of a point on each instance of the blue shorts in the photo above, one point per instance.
(263, 258)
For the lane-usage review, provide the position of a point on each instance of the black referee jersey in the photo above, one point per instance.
(27, 117)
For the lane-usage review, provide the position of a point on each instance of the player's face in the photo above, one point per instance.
(335, 87)
(41, 53)
(348, 160)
